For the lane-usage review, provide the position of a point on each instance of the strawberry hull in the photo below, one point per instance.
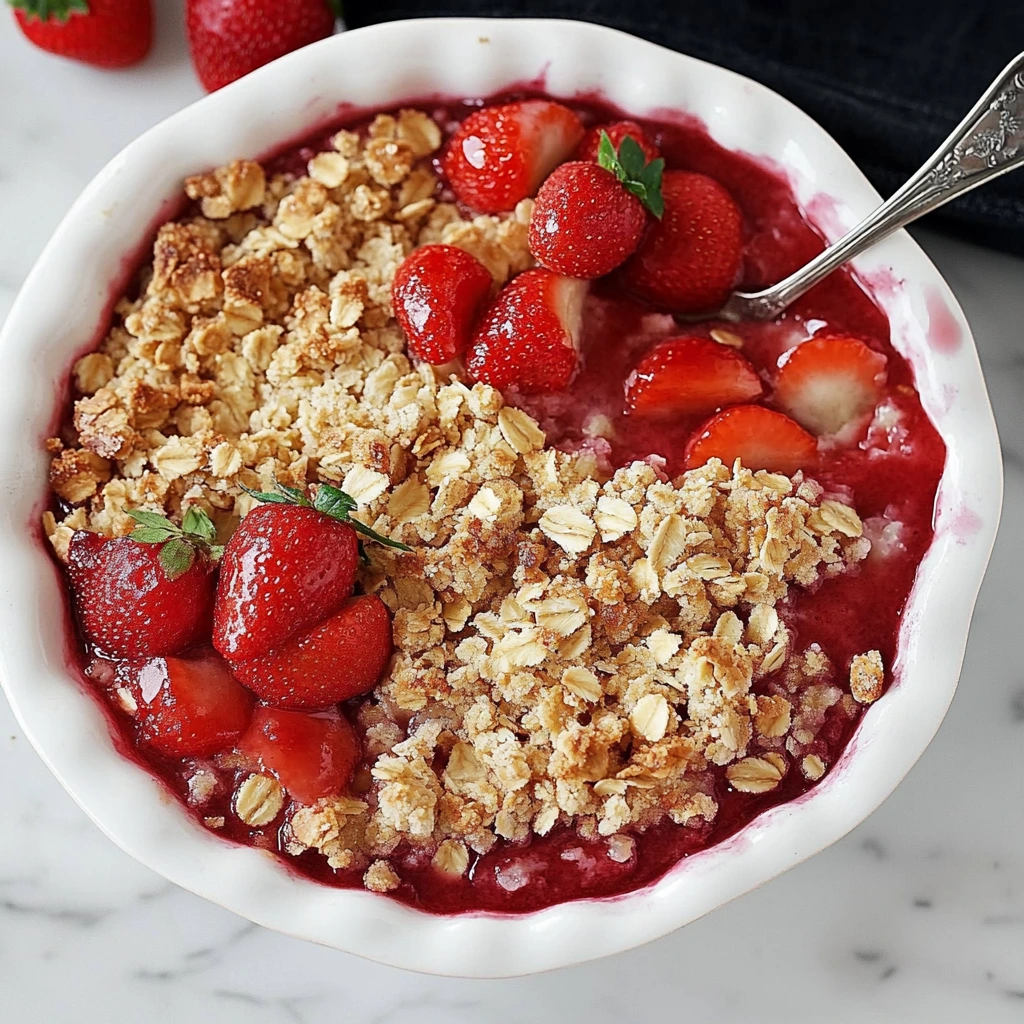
(892, 478)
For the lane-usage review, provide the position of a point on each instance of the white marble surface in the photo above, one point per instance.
(918, 916)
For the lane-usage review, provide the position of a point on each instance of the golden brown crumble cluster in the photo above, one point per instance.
(568, 646)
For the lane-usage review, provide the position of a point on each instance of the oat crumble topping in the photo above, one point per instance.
(573, 646)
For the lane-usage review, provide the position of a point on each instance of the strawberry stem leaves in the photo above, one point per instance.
(180, 543)
(44, 10)
(631, 167)
(332, 501)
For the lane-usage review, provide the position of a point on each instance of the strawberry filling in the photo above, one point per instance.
(593, 345)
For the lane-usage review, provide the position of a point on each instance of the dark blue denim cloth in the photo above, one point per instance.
(888, 78)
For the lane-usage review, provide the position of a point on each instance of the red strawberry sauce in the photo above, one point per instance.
(891, 473)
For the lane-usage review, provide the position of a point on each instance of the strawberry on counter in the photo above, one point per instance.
(230, 38)
(103, 33)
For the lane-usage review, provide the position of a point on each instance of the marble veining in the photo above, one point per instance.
(917, 916)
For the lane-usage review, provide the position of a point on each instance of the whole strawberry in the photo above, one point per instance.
(147, 594)
(230, 38)
(692, 257)
(589, 217)
(104, 33)
(290, 565)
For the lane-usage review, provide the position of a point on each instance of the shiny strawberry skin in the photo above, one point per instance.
(760, 438)
(617, 131)
(230, 38)
(113, 34)
(529, 338)
(313, 755)
(826, 383)
(584, 223)
(190, 706)
(338, 659)
(286, 568)
(437, 293)
(690, 260)
(126, 605)
(500, 155)
(690, 377)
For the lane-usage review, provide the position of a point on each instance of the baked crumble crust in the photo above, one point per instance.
(571, 647)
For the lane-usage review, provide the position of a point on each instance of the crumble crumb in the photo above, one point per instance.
(571, 647)
(380, 877)
(867, 677)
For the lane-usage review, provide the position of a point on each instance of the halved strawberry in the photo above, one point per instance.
(130, 605)
(313, 755)
(189, 706)
(436, 295)
(616, 131)
(760, 438)
(690, 377)
(338, 659)
(825, 383)
(286, 568)
(584, 223)
(690, 260)
(500, 155)
(529, 338)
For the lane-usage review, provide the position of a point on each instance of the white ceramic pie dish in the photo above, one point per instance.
(65, 299)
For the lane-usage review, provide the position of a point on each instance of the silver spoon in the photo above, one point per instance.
(988, 142)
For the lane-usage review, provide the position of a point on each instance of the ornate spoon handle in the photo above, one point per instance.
(988, 142)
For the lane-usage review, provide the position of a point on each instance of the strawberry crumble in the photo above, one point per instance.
(420, 531)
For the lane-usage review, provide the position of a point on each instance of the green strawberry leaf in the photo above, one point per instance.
(630, 166)
(606, 155)
(176, 557)
(333, 502)
(631, 157)
(366, 531)
(180, 543)
(267, 498)
(294, 495)
(153, 520)
(199, 525)
(149, 535)
(44, 10)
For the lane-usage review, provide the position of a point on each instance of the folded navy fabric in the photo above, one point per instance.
(888, 79)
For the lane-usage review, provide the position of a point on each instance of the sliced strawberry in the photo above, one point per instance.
(689, 260)
(584, 222)
(313, 755)
(500, 155)
(529, 338)
(760, 438)
(341, 658)
(690, 377)
(286, 568)
(437, 293)
(825, 383)
(189, 706)
(617, 131)
(129, 606)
